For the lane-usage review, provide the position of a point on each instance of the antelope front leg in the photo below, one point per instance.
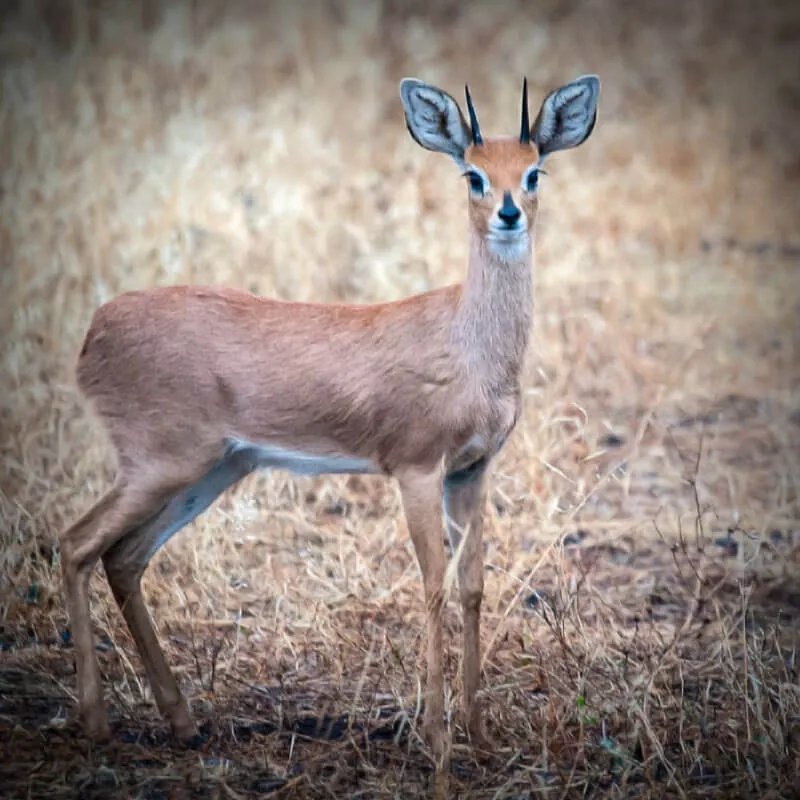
(464, 497)
(422, 502)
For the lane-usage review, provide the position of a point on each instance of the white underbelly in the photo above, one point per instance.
(268, 456)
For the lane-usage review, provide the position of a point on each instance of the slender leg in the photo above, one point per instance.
(464, 497)
(422, 501)
(81, 545)
(125, 563)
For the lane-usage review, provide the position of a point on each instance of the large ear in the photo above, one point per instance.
(434, 119)
(567, 116)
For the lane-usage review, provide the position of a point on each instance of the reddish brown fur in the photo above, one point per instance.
(504, 160)
(216, 360)
(422, 388)
(173, 373)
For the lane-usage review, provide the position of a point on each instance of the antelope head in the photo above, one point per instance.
(502, 172)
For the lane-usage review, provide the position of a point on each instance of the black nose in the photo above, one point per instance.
(509, 213)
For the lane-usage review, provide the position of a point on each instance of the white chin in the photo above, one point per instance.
(507, 247)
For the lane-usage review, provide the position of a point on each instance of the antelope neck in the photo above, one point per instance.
(495, 312)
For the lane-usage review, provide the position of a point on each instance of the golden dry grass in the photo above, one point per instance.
(642, 608)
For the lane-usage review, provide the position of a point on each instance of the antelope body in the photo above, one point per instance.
(199, 386)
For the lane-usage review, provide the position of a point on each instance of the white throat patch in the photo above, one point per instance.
(509, 248)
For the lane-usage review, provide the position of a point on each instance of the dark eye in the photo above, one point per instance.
(532, 181)
(475, 183)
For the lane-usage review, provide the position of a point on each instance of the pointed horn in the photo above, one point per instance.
(525, 130)
(473, 119)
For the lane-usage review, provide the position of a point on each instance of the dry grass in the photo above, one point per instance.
(642, 616)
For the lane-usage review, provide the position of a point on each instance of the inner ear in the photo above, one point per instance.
(568, 116)
(434, 119)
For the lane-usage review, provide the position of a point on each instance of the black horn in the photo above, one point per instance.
(525, 130)
(473, 119)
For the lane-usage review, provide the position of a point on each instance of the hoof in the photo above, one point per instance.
(97, 728)
(478, 738)
(183, 726)
(441, 784)
(437, 738)
(187, 734)
(194, 742)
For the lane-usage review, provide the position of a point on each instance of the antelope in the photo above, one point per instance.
(197, 387)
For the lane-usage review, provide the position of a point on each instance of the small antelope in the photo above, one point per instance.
(198, 387)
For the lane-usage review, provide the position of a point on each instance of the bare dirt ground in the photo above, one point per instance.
(642, 612)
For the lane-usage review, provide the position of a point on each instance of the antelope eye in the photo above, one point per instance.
(532, 181)
(475, 183)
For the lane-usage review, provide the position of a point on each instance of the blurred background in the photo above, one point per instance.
(263, 146)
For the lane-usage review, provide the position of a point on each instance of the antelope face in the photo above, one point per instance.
(502, 173)
(502, 178)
